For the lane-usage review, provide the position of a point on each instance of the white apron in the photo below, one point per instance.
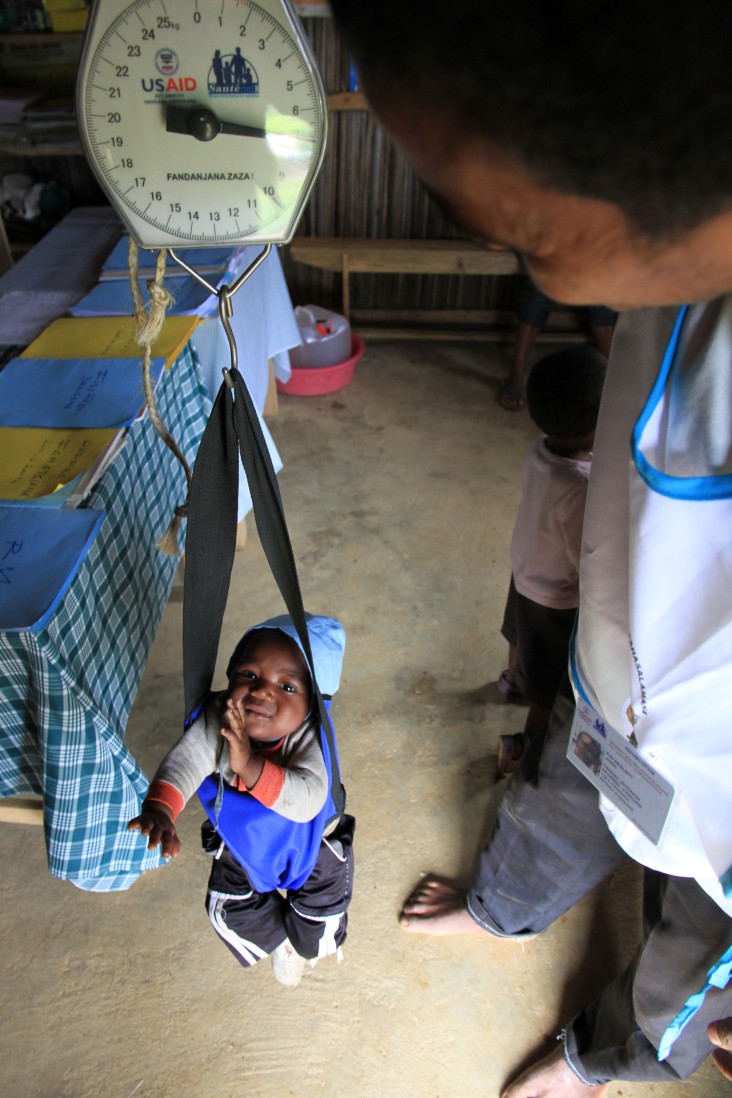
(675, 699)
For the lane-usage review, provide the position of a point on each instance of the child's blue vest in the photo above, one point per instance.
(274, 851)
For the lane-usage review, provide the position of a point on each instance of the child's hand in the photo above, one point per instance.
(159, 828)
(234, 732)
(245, 764)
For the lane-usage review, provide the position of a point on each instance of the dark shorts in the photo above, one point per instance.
(535, 308)
(540, 636)
(252, 924)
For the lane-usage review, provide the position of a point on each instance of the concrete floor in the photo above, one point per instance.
(400, 493)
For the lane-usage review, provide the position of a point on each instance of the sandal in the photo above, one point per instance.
(511, 750)
(510, 399)
(505, 685)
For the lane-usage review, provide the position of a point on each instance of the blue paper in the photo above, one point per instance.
(113, 297)
(41, 550)
(204, 260)
(73, 392)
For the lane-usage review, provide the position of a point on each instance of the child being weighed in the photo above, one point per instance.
(282, 874)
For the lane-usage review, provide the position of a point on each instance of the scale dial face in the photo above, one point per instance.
(203, 120)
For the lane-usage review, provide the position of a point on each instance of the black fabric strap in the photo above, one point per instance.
(211, 544)
(210, 547)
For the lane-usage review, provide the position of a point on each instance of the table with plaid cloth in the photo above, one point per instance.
(66, 691)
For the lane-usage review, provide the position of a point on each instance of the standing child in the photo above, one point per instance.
(282, 874)
(563, 393)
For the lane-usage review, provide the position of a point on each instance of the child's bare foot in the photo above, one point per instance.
(437, 906)
(551, 1078)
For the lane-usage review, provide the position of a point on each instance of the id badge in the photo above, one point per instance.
(619, 772)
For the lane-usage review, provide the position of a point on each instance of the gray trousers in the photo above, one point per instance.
(551, 845)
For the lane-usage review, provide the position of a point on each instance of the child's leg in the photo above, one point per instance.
(248, 922)
(536, 719)
(316, 915)
(534, 310)
(507, 679)
(512, 748)
(541, 636)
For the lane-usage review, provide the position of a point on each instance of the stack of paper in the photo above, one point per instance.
(51, 121)
(37, 462)
(112, 296)
(207, 261)
(77, 392)
(40, 554)
(108, 337)
(64, 403)
(13, 103)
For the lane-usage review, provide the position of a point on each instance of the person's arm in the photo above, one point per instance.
(176, 779)
(245, 764)
(572, 518)
(295, 782)
(156, 822)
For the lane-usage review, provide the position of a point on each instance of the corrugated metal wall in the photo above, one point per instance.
(367, 189)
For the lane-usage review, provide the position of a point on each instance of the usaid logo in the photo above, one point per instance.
(166, 62)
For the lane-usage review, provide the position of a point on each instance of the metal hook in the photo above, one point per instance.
(226, 309)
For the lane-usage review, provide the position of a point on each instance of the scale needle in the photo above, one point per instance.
(203, 124)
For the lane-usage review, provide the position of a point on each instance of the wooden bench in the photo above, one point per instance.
(348, 255)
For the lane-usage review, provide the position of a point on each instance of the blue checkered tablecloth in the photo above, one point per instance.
(66, 691)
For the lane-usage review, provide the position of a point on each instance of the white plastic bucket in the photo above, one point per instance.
(326, 338)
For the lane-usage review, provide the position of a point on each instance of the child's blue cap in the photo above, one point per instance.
(327, 644)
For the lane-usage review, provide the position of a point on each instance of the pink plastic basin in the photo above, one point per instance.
(320, 380)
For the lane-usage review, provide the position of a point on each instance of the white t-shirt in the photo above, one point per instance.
(654, 638)
(547, 536)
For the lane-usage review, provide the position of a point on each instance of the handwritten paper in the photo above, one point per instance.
(40, 553)
(113, 297)
(76, 392)
(35, 461)
(108, 337)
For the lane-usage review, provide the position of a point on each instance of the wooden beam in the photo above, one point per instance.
(21, 810)
(560, 323)
(347, 101)
(271, 403)
(461, 335)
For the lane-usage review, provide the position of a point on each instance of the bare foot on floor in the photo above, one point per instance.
(720, 1034)
(511, 396)
(437, 906)
(552, 1078)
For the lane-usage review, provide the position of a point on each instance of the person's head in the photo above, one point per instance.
(590, 139)
(269, 673)
(563, 392)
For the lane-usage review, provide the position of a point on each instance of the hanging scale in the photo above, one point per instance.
(204, 122)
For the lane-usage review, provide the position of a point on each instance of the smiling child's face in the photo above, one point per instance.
(272, 683)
